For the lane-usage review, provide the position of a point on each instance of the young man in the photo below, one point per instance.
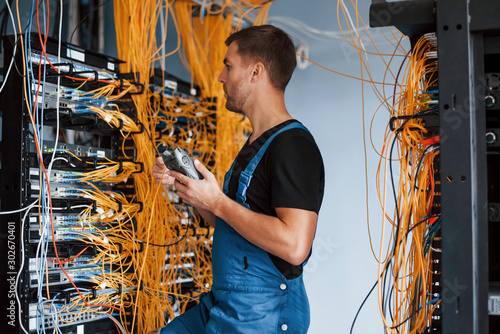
(265, 217)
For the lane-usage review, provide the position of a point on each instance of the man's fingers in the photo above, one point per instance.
(178, 176)
(181, 190)
(168, 180)
(161, 174)
(202, 169)
(159, 161)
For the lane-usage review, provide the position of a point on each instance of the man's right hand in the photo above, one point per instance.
(160, 173)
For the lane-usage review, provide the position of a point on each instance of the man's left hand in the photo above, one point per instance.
(201, 194)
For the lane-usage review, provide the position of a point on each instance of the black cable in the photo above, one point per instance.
(390, 289)
(398, 218)
(417, 224)
(397, 76)
(409, 317)
(373, 287)
(86, 16)
(396, 240)
(150, 138)
(167, 245)
(174, 243)
(18, 49)
(385, 301)
(415, 186)
(361, 306)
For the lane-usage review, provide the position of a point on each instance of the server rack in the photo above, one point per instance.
(468, 51)
(20, 185)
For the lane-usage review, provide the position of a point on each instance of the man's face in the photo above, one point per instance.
(235, 79)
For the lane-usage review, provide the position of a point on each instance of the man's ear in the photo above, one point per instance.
(257, 71)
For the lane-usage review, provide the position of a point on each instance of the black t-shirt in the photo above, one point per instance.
(290, 175)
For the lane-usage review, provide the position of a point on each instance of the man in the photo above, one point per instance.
(265, 217)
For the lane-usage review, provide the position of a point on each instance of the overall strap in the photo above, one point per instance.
(227, 176)
(247, 174)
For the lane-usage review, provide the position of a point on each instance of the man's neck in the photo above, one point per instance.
(266, 111)
(262, 124)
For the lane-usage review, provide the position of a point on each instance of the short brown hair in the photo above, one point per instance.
(270, 45)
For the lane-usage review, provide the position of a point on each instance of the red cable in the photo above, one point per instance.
(77, 255)
(430, 141)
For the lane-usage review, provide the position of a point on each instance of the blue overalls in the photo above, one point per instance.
(249, 294)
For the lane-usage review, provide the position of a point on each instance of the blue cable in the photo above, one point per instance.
(54, 316)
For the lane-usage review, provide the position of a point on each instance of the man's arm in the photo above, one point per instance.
(288, 236)
(208, 216)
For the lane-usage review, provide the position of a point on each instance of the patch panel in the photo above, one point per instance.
(61, 319)
(72, 177)
(52, 263)
(59, 190)
(75, 68)
(65, 250)
(67, 233)
(58, 277)
(78, 150)
(58, 219)
(50, 93)
(68, 187)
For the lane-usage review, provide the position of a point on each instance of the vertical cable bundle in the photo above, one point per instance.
(175, 248)
(406, 297)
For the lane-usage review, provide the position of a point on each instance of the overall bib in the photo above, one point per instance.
(249, 294)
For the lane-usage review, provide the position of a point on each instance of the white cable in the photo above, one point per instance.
(117, 323)
(74, 207)
(355, 30)
(15, 46)
(60, 158)
(19, 210)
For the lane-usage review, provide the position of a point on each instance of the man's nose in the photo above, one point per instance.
(221, 78)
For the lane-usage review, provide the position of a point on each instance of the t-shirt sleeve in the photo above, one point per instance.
(297, 173)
